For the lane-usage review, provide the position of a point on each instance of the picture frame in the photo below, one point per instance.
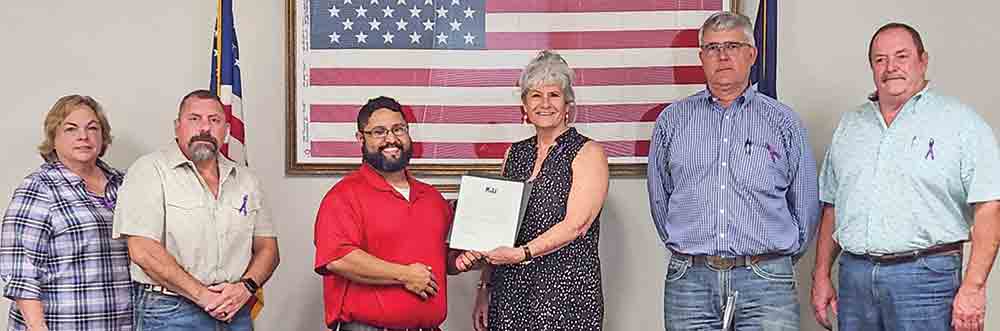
(304, 133)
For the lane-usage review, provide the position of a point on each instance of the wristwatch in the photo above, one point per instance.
(250, 284)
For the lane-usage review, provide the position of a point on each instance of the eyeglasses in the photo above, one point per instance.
(714, 49)
(381, 132)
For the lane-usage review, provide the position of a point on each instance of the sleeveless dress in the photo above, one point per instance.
(561, 290)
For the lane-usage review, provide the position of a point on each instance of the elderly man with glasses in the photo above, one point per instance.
(732, 189)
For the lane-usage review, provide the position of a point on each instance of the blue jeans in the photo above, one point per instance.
(906, 296)
(159, 312)
(694, 295)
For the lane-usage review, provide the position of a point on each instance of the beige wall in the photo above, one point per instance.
(139, 57)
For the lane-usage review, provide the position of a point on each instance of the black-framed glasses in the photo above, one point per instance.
(714, 49)
(379, 132)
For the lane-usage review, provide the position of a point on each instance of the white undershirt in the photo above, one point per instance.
(404, 191)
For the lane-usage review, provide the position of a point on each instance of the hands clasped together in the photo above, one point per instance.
(223, 301)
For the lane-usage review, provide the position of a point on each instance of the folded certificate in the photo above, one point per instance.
(489, 212)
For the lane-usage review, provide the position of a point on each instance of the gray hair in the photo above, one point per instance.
(727, 21)
(547, 68)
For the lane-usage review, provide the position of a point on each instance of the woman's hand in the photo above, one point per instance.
(480, 313)
(505, 255)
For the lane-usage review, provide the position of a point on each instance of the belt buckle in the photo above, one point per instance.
(720, 262)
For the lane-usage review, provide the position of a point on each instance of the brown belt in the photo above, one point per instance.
(909, 256)
(728, 262)
(355, 326)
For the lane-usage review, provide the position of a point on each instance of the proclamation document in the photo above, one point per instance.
(489, 212)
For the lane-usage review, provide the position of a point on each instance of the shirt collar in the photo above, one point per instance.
(379, 183)
(927, 90)
(113, 175)
(176, 158)
(748, 94)
(570, 131)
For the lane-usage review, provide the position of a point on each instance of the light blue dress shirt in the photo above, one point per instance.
(909, 185)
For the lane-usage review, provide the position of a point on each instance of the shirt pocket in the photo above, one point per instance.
(185, 209)
(187, 224)
(242, 213)
(760, 168)
(933, 158)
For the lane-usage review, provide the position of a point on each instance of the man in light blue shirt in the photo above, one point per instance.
(732, 189)
(904, 178)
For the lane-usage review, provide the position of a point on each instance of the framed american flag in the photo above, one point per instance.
(454, 65)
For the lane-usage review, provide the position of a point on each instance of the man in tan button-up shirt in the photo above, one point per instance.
(199, 235)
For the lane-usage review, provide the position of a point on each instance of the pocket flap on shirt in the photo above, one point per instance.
(185, 203)
(252, 203)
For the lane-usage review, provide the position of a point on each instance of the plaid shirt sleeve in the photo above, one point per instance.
(24, 241)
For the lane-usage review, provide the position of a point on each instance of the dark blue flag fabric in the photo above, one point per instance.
(765, 31)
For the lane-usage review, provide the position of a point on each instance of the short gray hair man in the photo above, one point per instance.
(726, 21)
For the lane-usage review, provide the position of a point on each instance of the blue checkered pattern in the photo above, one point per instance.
(56, 246)
(732, 182)
(397, 24)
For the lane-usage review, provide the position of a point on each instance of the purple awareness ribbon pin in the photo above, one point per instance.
(108, 203)
(773, 154)
(930, 150)
(243, 208)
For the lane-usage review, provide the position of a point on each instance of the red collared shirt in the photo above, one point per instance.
(365, 212)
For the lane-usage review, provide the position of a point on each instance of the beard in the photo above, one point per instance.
(378, 160)
(203, 147)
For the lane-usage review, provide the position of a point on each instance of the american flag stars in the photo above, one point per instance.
(401, 24)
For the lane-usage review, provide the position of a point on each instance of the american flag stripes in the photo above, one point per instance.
(225, 81)
(454, 65)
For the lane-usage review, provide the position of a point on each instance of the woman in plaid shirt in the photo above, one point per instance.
(57, 259)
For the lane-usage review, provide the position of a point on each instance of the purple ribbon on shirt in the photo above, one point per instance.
(243, 208)
(772, 153)
(107, 202)
(930, 150)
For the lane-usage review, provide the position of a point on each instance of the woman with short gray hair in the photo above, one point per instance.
(551, 280)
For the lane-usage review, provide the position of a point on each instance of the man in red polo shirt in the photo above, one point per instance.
(380, 235)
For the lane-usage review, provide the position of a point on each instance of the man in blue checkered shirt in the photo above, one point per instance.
(732, 188)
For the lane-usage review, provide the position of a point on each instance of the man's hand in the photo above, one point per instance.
(969, 308)
(469, 260)
(417, 278)
(824, 300)
(205, 296)
(228, 301)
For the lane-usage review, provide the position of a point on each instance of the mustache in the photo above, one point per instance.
(204, 137)
(396, 145)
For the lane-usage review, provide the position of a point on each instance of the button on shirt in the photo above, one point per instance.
(165, 199)
(733, 182)
(909, 185)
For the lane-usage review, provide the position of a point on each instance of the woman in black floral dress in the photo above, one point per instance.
(551, 280)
